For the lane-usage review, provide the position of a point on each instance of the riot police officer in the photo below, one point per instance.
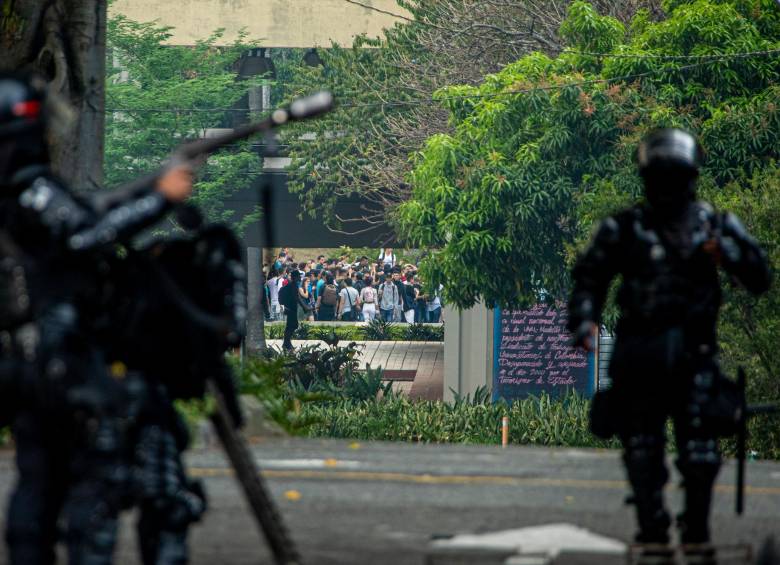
(668, 250)
(52, 244)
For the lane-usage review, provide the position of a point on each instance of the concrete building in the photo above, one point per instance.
(274, 23)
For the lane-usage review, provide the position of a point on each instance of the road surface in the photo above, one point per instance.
(384, 503)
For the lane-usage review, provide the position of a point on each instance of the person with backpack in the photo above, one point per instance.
(328, 300)
(288, 298)
(368, 297)
(388, 299)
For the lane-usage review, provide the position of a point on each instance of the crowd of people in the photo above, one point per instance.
(330, 289)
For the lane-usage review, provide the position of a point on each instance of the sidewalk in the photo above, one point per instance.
(415, 367)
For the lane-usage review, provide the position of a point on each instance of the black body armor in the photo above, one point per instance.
(664, 364)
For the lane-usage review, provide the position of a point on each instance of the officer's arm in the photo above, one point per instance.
(592, 275)
(742, 257)
(86, 224)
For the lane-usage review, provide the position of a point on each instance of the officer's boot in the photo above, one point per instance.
(693, 525)
(699, 463)
(644, 460)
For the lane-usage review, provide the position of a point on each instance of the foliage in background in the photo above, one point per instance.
(540, 421)
(158, 97)
(545, 147)
(384, 89)
(532, 421)
(269, 382)
(378, 331)
(749, 327)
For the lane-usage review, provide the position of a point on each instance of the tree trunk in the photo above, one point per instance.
(65, 42)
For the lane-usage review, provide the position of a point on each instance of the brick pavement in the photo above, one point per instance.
(425, 357)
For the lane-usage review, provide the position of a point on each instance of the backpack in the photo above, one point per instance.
(287, 296)
(329, 295)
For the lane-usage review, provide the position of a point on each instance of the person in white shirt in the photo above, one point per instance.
(273, 294)
(387, 257)
(349, 301)
(368, 296)
(434, 306)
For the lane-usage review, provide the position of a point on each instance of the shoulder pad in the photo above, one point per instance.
(57, 208)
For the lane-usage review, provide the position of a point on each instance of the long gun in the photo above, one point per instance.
(195, 151)
(745, 413)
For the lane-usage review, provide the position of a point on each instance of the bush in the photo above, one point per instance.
(268, 381)
(421, 332)
(539, 421)
(311, 364)
(378, 330)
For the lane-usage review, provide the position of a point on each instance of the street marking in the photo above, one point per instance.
(428, 479)
(549, 539)
(307, 463)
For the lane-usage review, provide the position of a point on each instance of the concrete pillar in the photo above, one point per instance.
(255, 329)
(468, 351)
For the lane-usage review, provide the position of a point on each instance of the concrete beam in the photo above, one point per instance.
(275, 23)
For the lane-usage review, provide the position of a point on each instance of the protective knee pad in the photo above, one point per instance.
(644, 460)
(187, 506)
(699, 457)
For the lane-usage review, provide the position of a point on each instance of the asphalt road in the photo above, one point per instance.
(383, 503)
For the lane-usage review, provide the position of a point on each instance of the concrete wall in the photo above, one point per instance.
(275, 23)
(468, 350)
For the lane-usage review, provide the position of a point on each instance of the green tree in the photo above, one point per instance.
(545, 147)
(160, 96)
(384, 88)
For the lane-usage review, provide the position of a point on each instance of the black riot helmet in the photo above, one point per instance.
(22, 124)
(669, 160)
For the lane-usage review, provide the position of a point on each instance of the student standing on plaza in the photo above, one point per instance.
(288, 298)
(349, 301)
(328, 300)
(368, 295)
(388, 299)
(387, 257)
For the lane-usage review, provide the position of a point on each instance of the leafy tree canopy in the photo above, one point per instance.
(545, 147)
(384, 89)
(159, 96)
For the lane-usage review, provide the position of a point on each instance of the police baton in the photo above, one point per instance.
(743, 415)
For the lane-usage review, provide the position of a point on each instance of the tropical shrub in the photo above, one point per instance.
(378, 330)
